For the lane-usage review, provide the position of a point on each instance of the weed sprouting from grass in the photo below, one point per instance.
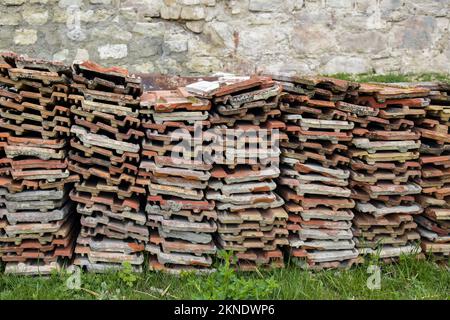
(228, 284)
(127, 275)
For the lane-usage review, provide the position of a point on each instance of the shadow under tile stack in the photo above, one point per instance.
(37, 225)
(434, 223)
(181, 220)
(314, 179)
(251, 220)
(105, 153)
(384, 166)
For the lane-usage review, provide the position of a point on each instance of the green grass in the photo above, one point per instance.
(371, 77)
(408, 279)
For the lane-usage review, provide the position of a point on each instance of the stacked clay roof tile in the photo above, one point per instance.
(384, 166)
(251, 220)
(105, 153)
(37, 225)
(181, 220)
(314, 179)
(433, 223)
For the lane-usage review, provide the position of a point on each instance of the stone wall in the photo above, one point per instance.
(204, 36)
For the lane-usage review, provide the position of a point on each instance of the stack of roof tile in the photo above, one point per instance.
(252, 100)
(181, 173)
(384, 165)
(434, 223)
(37, 225)
(105, 153)
(314, 171)
(181, 220)
(251, 221)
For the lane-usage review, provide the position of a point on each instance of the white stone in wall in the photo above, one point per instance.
(175, 43)
(391, 5)
(149, 28)
(416, 33)
(152, 8)
(221, 34)
(297, 4)
(114, 31)
(197, 47)
(129, 14)
(341, 64)
(81, 55)
(312, 39)
(189, 2)
(209, 3)
(113, 51)
(192, 13)
(290, 67)
(170, 12)
(104, 2)
(204, 65)
(437, 8)
(66, 3)
(25, 37)
(265, 5)
(13, 2)
(375, 21)
(340, 4)
(253, 44)
(9, 18)
(195, 26)
(106, 13)
(34, 17)
(234, 6)
(61, 55)
(373, 42)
